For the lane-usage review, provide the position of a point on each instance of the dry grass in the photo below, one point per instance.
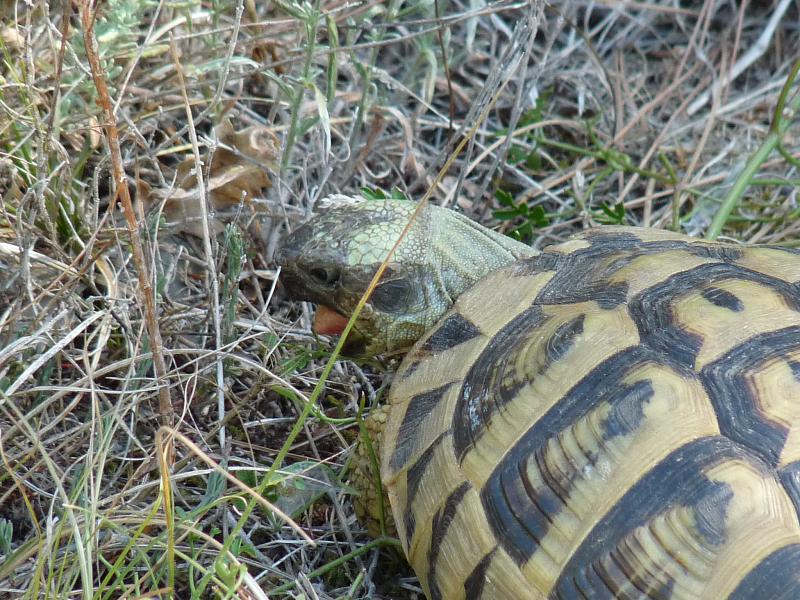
(149, 448)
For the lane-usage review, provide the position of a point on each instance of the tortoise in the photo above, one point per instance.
(616, 416)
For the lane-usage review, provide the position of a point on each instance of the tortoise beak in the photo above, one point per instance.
(289, 258)
(328, 319)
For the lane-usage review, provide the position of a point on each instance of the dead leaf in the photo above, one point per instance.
(239, 172)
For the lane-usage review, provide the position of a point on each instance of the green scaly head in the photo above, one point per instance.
(332, 258)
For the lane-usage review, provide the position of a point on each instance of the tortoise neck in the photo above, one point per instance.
(467, 252)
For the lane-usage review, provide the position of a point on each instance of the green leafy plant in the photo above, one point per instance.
(610, 215)
(532, 217)
(6, 533)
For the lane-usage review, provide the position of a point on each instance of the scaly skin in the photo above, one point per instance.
(331, 259)
(362, 476)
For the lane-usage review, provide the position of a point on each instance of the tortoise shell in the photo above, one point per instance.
(616, 417)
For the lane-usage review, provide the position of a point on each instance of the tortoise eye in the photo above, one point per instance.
(324, 276)
(393, 296)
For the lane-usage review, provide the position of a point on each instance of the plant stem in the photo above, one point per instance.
(770, 143)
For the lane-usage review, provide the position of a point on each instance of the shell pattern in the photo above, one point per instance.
(615, 418)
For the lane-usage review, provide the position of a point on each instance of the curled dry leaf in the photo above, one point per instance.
(77, 137)
(11, 37)
(238, 172)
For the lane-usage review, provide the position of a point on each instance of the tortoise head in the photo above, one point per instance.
(332, 258)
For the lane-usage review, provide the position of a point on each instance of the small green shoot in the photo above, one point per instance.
(610, 215)
(235, 258)
(6, 535)
(533, 217)
(774, 140)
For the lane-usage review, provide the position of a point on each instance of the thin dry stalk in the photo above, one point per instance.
(146, 294)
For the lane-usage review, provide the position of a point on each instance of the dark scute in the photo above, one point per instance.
(473, 584)
(563, 339)
(482, 392)
(441, 523)
(454, 330)
(609, 296)
(709, 273)
(670, 340)
(411, 367)
(581, 283)
(410, 524)
(578, 276)
(651, 310)
(614, 581)
(678, 480)
(611, 240)
(628, 411)
(711, 511)
(434, 590)
(606, 584)
(539, 264)
(521, 514)
(518, 515)
(550, 500)
(790, 478)
(738, 412)
(795, 367)
(629, 242)
(777, 577)
(413, 478)
(664, 591)
(588, 579)
(417, 470)
(728, 254)
(583, 274)
(723, 298)
(623, 247)
(418, 409)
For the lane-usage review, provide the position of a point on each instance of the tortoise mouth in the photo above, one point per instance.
(328, 321)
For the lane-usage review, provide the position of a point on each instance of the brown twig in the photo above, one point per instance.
(146, 295)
